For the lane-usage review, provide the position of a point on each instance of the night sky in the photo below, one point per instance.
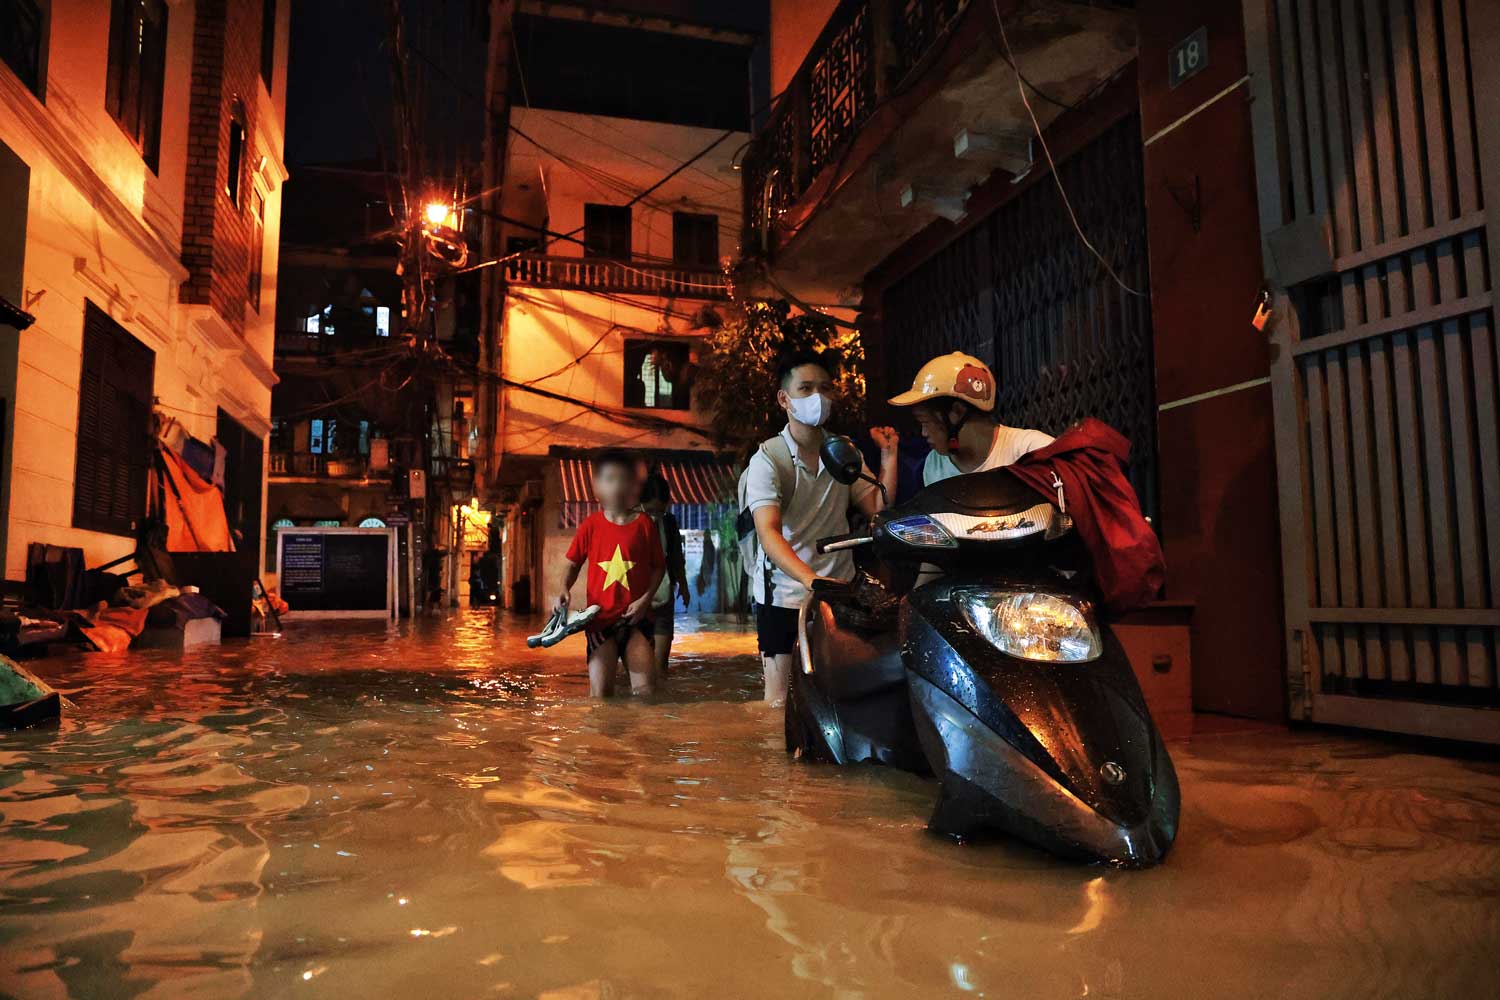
(339, 87)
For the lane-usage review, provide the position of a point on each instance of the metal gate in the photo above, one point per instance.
(1022, 293)
(1374, 151)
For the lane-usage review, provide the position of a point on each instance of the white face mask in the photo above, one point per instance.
(812, 410)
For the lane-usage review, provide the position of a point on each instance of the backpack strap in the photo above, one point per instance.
(780, 455)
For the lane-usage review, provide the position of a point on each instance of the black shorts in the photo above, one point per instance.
(776, 628)
(618, 631)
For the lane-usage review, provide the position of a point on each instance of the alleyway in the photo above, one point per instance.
(348, 811)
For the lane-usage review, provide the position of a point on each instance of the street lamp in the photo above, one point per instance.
(440, 215)
(440, 226)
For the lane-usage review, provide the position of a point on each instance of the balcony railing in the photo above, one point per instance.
(866, 51)
(296, 343)
(599, 274)
(291, 343)
(306, 464)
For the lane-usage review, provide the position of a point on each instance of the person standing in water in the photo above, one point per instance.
(794, 501)
(625, 564)
(953, 401)
(656, 500)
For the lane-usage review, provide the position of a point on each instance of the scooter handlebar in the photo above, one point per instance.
(836, 543)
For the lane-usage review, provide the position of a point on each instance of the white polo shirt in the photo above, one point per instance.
(819, 507)
(1010, 444)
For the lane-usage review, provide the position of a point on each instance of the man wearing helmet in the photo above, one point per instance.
(953, 401)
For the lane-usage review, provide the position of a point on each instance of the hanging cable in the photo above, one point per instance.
(1052, 164)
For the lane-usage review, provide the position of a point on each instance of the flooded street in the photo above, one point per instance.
(432, 811)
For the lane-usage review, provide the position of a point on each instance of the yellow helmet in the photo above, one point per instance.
(956, 376)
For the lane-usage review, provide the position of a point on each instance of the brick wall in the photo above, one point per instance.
(216, 233)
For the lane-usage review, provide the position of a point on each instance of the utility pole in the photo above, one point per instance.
(492, 286)
(417, 282)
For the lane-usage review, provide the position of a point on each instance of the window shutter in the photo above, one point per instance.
(114, 427)
(695, 239)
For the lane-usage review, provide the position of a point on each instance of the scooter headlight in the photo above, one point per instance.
(1033, 625)
(922, 531)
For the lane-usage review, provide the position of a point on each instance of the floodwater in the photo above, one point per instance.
(433, 810)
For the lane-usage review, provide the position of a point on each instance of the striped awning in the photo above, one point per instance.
(692, 482)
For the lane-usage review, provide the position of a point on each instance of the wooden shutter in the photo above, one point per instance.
(136, 71)
(114, 427)
(606, 231)
(695, 239)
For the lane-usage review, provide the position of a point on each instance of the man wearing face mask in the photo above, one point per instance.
(794, 502)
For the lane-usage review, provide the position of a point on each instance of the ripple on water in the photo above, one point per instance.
(436, 810)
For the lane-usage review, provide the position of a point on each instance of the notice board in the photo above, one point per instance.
(337, 572)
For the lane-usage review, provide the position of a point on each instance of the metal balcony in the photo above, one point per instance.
(900, 109)
(306, 465)
(620, 277)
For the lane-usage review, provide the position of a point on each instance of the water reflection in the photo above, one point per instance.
(431, 810)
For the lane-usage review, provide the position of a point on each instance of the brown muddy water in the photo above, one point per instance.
(436, 811)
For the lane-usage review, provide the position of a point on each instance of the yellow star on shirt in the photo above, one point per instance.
(616, 570)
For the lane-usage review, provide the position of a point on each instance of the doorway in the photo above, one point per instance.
(243, 481)
(15, 183)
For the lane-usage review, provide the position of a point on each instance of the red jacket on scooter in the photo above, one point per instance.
(1087, 465)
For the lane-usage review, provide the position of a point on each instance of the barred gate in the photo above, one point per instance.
(1371, 158)
(1022, 293)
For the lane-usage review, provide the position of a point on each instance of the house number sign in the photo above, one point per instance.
(1187, 58)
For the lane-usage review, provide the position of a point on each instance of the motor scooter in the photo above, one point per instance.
(975, 652)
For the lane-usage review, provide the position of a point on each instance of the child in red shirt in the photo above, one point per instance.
(622, 549)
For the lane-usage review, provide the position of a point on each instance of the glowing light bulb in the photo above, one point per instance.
(437, 213)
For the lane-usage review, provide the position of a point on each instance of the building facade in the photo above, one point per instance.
(140, 187)
(1319, 469)
(361, 438)
(620, 211)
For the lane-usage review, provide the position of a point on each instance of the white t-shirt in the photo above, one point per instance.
(819, 507)
(1010, 444)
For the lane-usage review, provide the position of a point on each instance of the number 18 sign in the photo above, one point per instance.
(1187, 58)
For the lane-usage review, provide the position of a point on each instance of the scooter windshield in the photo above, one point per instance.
(989, 506)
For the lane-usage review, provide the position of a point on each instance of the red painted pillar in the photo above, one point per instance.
(1216, 459)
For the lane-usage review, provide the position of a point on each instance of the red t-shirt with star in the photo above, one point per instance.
(622, 560)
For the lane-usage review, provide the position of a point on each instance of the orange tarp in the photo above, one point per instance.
(111, 629)
(194, 509)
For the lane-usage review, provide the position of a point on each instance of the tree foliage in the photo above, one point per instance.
(737, 377)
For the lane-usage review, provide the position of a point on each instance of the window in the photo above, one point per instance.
(323, 437)
(257, 246)
(137, 64)
(695, 240)
(21, 41)
(382, 321)
(606, 231)
(372, 522)
(522, 244)
(656, 375)
(114, 427)
(236, 174)
(267, 41)
(283, 434)
(319, 322)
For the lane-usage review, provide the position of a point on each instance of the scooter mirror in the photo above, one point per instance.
(842, 458)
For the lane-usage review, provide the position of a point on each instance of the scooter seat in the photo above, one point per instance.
(847, 664)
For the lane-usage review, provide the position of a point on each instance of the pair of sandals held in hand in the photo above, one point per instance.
(562, 624)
